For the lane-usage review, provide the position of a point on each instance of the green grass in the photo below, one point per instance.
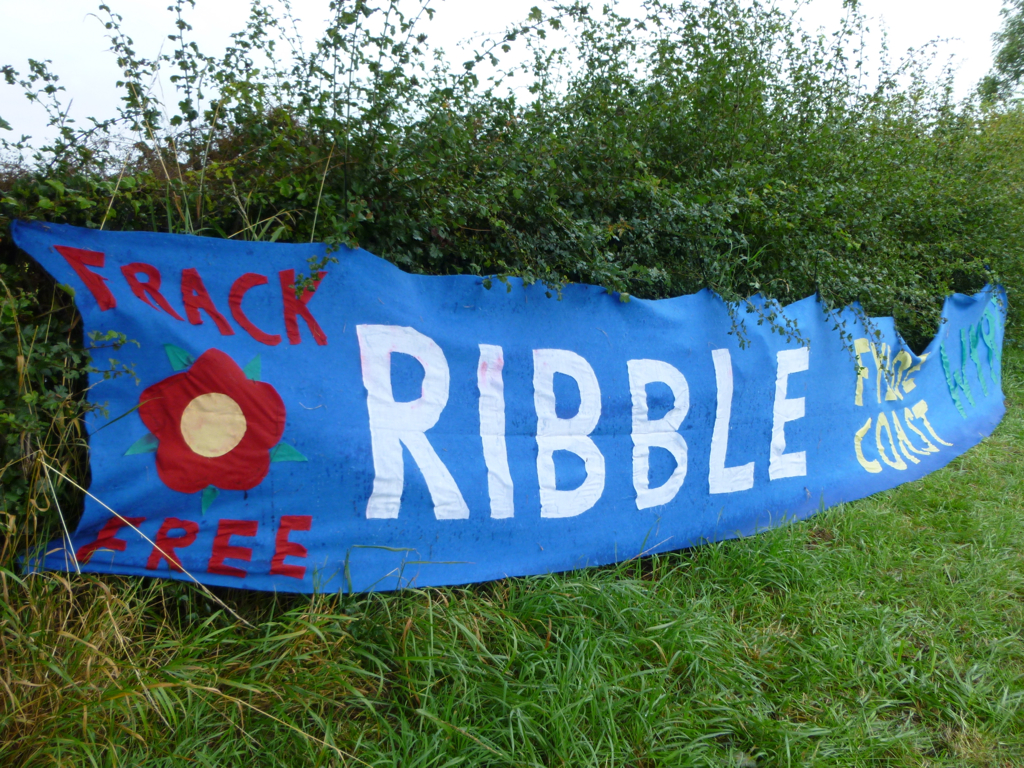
(881, 633)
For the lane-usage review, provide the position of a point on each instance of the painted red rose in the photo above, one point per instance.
(215, 426)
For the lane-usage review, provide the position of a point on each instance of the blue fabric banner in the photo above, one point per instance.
(375, 429)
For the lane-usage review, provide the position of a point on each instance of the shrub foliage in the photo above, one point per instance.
(694, 145)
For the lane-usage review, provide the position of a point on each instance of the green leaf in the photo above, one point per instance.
(253, 369)
(178, 357)
(285, 452)
(145, 444)
(209, 494)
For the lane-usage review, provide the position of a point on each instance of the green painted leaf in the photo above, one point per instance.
(179, 358)
(209, 494)
(145, 444)
(253, 369)
(285, 452)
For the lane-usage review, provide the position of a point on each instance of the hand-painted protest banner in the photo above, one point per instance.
(380, 429)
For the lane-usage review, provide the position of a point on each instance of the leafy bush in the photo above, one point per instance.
(713, 145)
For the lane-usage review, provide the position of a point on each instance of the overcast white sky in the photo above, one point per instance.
(64, 31)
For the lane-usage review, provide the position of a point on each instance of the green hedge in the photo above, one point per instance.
(701, 146)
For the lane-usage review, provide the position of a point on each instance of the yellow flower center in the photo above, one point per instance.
(212, 425)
